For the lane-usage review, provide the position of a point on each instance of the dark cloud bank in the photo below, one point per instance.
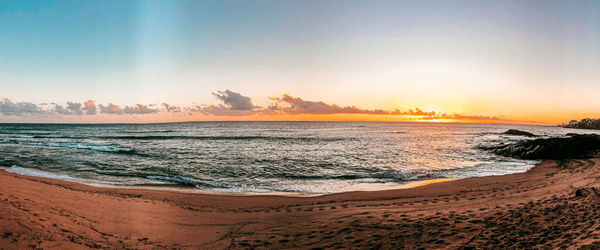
(231, 104)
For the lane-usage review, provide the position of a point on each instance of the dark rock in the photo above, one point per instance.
(581, 192)
(7, 234)
(519, 132)
(576, 146)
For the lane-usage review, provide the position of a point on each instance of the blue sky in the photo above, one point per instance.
(455, 56)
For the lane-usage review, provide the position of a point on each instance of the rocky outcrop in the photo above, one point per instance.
(519, 132)
(575, 146)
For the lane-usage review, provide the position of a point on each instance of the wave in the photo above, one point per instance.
(387, 175)
(148, 131)
(184, 137)
(395, 175)
(321, 177)
(100, 148)
(188, 181)
(24, 133)
(39, 173)
(243, 138)
(25, 136)
(58, 137)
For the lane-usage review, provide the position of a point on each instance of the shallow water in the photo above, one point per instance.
(300, 157)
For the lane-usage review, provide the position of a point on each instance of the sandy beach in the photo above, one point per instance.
(299, 124)
(552, 205)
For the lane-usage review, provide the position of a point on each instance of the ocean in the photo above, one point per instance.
(261, 157)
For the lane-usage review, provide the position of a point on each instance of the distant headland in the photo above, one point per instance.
(586, 123)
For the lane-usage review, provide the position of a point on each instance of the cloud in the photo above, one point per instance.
(7, 107)
(419, 112)
(170, 108)
(89, 107)
(235, 104)
(295, 105)
(231, 104)
(432, 115)
(235, 101)
(110, 109)
(471, 117)
(114, 109)
(75, 108)
(416, 112)
(61, 110)
(139, 109)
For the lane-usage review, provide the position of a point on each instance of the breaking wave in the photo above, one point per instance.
(216, 138)
(188, 181)
(101, 148)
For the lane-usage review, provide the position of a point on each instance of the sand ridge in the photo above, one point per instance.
(552, 205)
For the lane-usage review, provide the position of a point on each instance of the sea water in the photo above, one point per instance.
(298, 157)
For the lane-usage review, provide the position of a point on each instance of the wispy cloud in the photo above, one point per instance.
(432, 115)
(472, 117)
(416, 112)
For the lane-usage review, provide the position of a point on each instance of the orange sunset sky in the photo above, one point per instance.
(532, 62)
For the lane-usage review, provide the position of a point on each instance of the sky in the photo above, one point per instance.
(162, 61)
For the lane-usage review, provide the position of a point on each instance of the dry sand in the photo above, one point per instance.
(540, 208)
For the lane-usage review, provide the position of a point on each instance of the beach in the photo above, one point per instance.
(299, 124)
(552, 205)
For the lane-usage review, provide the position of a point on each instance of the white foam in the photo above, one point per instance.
(186, 181)
(39, 173)
(71, 145)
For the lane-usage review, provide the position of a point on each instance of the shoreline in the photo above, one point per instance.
(547, 206)
(189, 190)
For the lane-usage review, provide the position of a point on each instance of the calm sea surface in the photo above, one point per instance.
(305, 157)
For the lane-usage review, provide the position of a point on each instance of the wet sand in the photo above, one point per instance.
(552, 205)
